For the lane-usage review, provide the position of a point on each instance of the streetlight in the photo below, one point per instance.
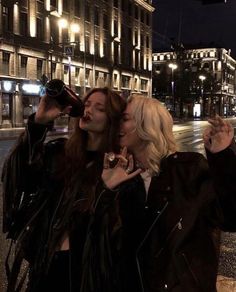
(68, 46)
(173, 67)
(202, 78)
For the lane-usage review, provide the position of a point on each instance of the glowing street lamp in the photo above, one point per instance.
(173, 67)
(68, 47)
(202, 78)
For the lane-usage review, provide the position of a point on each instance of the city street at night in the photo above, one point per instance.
(189, 137)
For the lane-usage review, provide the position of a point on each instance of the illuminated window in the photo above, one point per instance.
(105, 49)
(116, 3)
(116, 53)
(147, 41)
(23, 24)
(136, 59)
(39, 29)
(105, 21)
(142, 40)
(125, 81)
(87, 12)
(96, 47)
(87, 78)
(144, 84)
(65, 35)
(136, 37)
(136, 12)
(142, 17)
(77, 8)
(96, 16)
(130, 8)
(53, 3)
(6, 106)
(136, 83)
(23, 63)
(115, 28)
(115, 81)
(66, 73)
(97, 78)
(123, 5)
(66, 5)
(39, 68)
(6, 19)
(5, 63)
(147, 19)
(212, 54)
(87, 43)
(77, 72)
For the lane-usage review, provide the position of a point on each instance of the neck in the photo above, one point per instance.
(94, 141)
(140, 158)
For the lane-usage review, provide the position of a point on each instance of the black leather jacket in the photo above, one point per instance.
(162, 243)
(37, 212)
(168, 236)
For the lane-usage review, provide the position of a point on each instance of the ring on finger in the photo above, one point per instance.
(60, 114)
(111, 156)
(128, 170)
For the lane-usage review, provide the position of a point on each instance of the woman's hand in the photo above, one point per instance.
(122, 171)
(48, 110)
(218, 135)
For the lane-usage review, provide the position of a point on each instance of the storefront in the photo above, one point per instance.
(18, 99)
(30, 98)
(8, 88)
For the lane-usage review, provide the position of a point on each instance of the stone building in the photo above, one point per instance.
(86, 43)
(195, 81)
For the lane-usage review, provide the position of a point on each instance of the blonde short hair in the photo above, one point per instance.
(154, 125)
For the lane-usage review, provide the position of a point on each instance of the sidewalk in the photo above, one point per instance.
(13, 133)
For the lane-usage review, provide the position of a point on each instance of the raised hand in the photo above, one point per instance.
(218, 135)
(48, 110)
(122, 171)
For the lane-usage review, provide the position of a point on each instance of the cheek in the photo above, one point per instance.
(102, 121)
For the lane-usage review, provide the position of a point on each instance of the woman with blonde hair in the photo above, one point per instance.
(170, 207)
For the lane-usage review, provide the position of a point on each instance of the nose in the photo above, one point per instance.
(87, 110)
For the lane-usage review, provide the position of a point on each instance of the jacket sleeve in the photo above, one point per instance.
(21, 174)
(223, 170)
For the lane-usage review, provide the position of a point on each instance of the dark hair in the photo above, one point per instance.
(75, 150)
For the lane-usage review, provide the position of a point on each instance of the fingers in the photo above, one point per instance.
(125, 163)
(219, 125)
(106, 161)
(122, 161)
(133, 174)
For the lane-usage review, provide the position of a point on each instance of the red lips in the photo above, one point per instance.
(86, 118)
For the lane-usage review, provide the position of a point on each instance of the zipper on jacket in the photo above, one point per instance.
(177, 225)
(27, 226)
(191, 271)
(142, 242)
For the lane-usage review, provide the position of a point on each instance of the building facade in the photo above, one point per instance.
(197, 82)
(86, 43)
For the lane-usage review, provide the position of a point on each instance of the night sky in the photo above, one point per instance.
(190, 22)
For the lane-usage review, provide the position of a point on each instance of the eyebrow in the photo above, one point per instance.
(96, 103)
